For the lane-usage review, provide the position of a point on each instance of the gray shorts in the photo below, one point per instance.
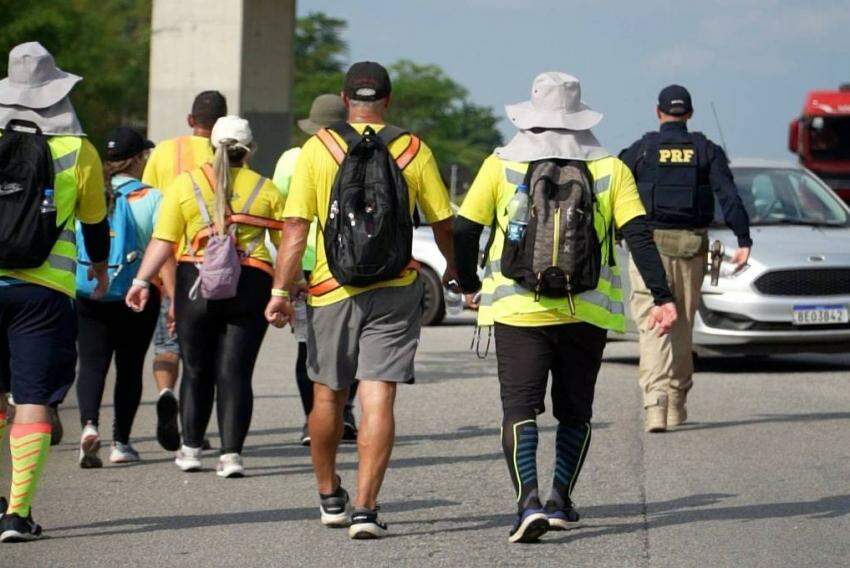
(164, 342)
(370, 336)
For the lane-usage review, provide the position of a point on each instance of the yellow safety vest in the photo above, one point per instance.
(502, 296)
(59, 271)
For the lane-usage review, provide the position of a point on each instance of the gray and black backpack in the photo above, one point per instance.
(560, 254)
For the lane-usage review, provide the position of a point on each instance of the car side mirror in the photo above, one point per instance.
(794, 136)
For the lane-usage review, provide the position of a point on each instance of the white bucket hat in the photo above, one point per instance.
(234, 128)
(555, 103)
(34, 81)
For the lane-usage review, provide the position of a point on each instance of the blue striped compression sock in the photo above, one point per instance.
(571, 444)
(519, 441)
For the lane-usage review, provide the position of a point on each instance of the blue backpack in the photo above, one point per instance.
(125, 255)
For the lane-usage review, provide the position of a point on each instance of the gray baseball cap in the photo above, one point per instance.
(325, 110)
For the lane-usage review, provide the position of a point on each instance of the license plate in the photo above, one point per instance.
(821, 315)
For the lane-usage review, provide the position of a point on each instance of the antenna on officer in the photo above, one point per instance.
(719, 128)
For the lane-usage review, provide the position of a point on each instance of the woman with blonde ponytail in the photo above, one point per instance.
(214, 205)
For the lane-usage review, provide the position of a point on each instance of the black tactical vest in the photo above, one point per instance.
(672, 179)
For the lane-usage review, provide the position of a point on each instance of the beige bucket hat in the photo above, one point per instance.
(34, 81)
(326, 109)
(555, 103)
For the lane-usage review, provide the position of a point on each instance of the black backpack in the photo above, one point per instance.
(369, 231)
(26, 169)
(560, 253)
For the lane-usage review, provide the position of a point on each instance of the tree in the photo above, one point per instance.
(107, 43)
(425, 100)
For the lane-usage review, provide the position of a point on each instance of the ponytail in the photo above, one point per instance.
(223, 191)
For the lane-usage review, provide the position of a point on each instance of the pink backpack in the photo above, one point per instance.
(218, 274)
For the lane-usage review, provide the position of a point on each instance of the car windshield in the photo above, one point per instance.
(786, 196)
(830, 138)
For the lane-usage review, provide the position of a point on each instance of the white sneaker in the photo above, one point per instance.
(89, 447)
(188, 459)
(230, 465)
(123, 453)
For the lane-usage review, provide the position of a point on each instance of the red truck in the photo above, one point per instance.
(821, 137)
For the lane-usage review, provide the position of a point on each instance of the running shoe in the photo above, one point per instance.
(305, 435)
(230, 465)
(365, 525)
(123, 453)
(56, 429)
(89, 447)
(188, 459)
(167, 432)
(336, 507)
(14, 528)
(529, 526)
(562, 518)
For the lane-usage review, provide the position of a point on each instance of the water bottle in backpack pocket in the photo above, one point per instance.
(125, 252)
(558, 253)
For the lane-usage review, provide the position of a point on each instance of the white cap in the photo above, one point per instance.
(232, 127)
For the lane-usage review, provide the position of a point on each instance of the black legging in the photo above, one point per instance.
(220, 340)
(106, 328)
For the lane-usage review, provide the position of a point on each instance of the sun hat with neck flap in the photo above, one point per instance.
(554, 123)
(37, 90)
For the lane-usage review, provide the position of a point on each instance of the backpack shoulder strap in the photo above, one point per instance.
(199, 198)
(390, 133)
(129, 187)
(254, 193)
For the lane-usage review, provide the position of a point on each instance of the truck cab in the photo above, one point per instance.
(821, 137)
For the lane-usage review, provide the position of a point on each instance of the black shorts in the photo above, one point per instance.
(526, 355)
(38, 351)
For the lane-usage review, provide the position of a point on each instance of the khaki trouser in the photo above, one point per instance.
(666, 363)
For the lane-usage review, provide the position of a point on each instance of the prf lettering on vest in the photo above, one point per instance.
(675, 156)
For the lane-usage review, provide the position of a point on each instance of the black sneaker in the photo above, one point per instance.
(305, 436)
(167, 431)
(335, 508)
(562, 518)
(529, 526)
(14, 528)
(365, 525)
(349, 427)
(56, 429)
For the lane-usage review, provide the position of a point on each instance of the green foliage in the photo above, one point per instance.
(106, 43)
(424, 100)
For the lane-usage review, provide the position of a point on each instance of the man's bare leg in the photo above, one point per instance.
(375, 439)
(325, 423)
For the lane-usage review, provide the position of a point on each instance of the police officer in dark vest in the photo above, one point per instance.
(678, 175)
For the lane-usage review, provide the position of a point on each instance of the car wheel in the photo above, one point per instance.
(433, 306)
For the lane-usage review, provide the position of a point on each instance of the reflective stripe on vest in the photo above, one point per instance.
(59, 270)
(502, 297)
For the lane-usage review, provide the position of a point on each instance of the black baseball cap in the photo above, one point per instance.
(367, 81)
(124, 143)
(675, 100)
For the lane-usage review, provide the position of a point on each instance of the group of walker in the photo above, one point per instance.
(206, 285)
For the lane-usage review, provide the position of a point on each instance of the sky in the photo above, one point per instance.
(754, 59)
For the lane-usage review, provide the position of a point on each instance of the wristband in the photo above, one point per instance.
(141, 283)
(280, 293)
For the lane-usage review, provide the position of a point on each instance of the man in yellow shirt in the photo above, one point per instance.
(541, 325)
(167, 161)
(366, 333)
(38, 324)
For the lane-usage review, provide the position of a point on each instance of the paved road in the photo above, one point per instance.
(759, 479)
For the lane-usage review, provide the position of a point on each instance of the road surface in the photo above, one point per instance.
(759, 478)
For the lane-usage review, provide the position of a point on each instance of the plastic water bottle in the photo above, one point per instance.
(47, 204)
(454, 300)
(301, 319)
(518, 214)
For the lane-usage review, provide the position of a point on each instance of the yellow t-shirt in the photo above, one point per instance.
(491, 188)
(172, 157)
(180, 218)
(309, 196)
